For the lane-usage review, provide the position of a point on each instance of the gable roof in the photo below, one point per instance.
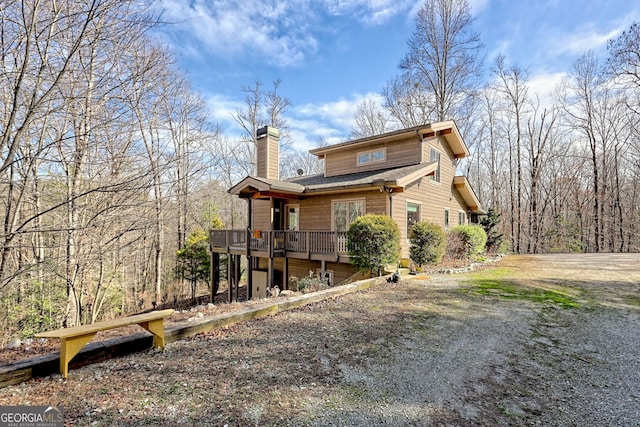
(447, 129)
(252, 184)
(393, 179)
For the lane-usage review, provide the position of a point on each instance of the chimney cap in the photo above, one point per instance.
(267, 131)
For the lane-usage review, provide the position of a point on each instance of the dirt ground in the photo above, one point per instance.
(547, 340)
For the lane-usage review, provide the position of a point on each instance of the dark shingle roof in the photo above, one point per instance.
(320, 182)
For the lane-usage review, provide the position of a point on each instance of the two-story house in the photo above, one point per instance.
(299, 225)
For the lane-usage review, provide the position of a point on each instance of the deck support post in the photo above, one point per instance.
(230, 277)
(237, 274)
(285, 273)
(270, 273)
(215, 275)
(250, 267)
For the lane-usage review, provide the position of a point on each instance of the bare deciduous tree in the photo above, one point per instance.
(443, 56)
(261, 109)
(370, 119)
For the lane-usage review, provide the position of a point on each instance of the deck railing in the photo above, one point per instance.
(280, 242)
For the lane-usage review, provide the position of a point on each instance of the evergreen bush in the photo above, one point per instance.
(373, 241)
(466, 241)
(428, 243)
(495, 239)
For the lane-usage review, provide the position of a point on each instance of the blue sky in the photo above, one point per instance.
(331, 54)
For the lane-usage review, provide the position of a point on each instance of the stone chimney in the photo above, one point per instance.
(268, 153)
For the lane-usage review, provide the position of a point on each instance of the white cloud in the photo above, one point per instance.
(477, 6)
(584, 38)
(282, 33)
(276, 32)
(330, 122)
(370, 12)
(338, 113)
(502, 47)
(222, 109)
(544, 85)
(309, 124)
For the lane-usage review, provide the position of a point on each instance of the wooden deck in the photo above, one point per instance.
(310, 244)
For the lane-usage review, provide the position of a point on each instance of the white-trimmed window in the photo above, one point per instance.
(344, 212)
(434, 156)
(413, 215)
(375, 156)
(446, 218)
(462, 218)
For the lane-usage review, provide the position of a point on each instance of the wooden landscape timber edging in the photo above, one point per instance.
(48, 364)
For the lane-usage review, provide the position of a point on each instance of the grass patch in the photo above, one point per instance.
(499, 283)
(633, 301)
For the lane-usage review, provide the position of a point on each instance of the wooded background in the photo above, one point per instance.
(109, 160)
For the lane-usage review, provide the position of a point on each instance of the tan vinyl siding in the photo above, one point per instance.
(398, 153)
(341, 272)
(261, 214)
(267, 158)
(441, 145)
(315, 212)
(274, 160)
(300, 268)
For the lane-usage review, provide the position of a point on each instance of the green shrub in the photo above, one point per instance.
(193, 262)
(466, 241)
(373, 241)
(428, 243)
(495, 239)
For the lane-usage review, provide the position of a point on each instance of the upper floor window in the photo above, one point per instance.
(345, 212)
(435, 157)
(365, 157)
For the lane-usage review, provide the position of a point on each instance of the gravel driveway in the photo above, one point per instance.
(549, 340)
(501, 362)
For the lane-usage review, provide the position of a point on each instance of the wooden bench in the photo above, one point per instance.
(73, 339)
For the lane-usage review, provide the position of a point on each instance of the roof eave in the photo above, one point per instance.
(262, 185)
(449, 131)
(446, 129)
(386, 137)
(468, 195)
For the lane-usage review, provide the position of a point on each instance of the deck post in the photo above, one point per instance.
(237, 275)
(249, 278)
(285, 273)
(270, 273)
(230, 278)
(215, 275)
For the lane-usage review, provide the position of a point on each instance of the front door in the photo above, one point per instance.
(292, 217)
(278, 217)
